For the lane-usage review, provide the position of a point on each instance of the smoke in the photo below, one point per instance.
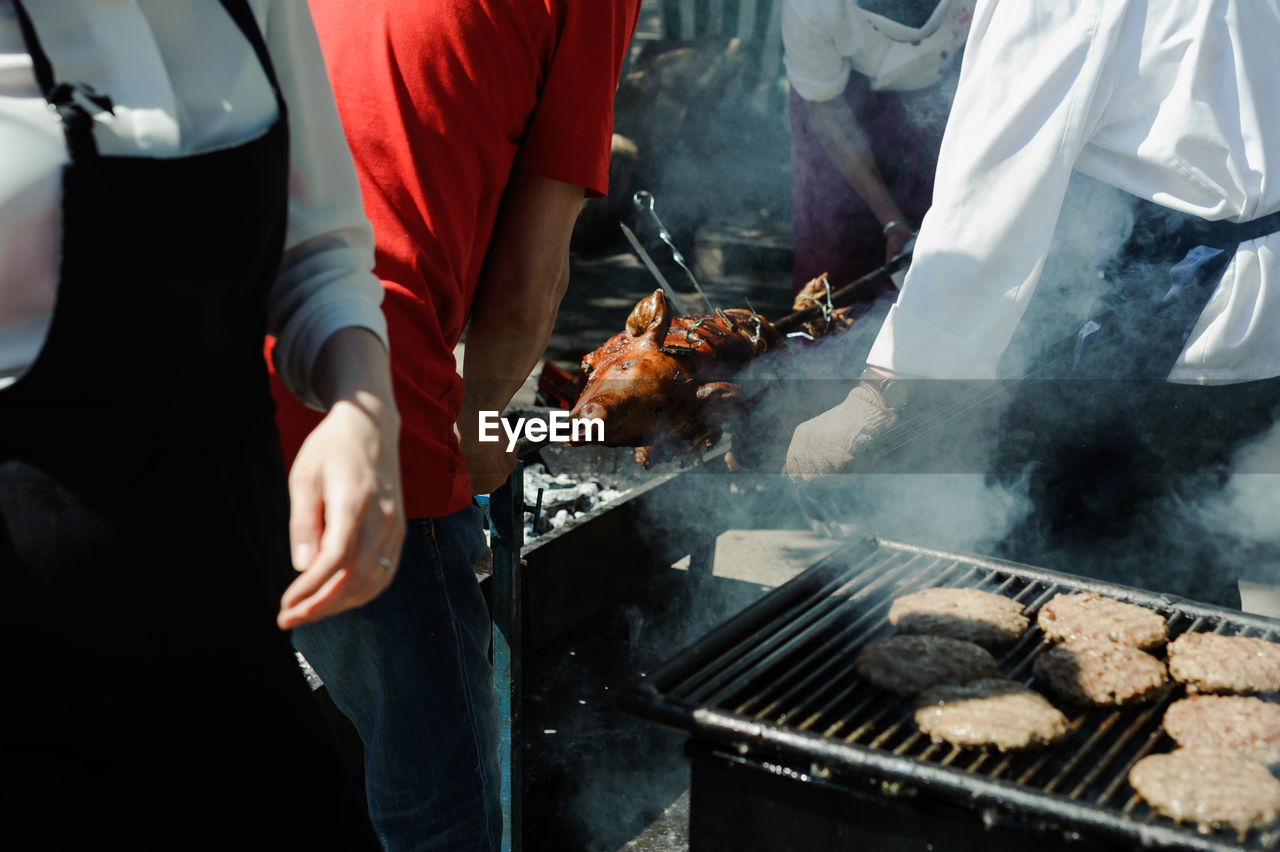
(1095, 222)
(1247, 509)
(707, 119)
(1092, 477)
(957, 511)
(1019, 470)
(611, 776)
(952, 484)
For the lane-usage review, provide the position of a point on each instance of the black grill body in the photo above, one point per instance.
(750, 805)
(772, 701)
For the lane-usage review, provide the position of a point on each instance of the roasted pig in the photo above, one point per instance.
(662, 384)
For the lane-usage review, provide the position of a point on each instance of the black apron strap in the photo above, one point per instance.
(243, 16)
(76, 119)
(66, 98)
(1225, 234)
(39, 59)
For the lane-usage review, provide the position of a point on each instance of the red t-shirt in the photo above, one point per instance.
(440, 99)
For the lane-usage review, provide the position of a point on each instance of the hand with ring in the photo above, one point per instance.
(346, 516)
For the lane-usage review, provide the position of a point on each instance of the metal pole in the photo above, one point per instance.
(506, 511)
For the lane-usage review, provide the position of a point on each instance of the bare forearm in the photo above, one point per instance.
(506, 338)
(526, 271)
(846, 145)
(353, 367)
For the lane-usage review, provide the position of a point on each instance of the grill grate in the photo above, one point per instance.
(780, 675)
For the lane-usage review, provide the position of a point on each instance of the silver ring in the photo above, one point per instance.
(384, 562)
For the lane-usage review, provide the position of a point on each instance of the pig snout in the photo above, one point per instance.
(589, 409)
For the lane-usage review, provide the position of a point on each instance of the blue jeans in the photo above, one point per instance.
(411, 671)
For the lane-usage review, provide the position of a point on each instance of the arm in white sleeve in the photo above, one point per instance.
(815, 68)
(326, 281)
(1033, 84)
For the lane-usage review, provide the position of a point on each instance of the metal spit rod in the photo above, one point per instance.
(672, 296)
(644, 201)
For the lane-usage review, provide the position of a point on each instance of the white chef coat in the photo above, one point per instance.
(827, 40)
(1175, 101)
(183, 79)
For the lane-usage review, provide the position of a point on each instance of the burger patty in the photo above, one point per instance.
(1211, 662)
(1100, 671)
(1088, 615)
(1248, 726)
(908, 664)
(968, 614)
(992, 713)
(1209, 787)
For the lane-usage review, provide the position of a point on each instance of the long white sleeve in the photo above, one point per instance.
(326, 281)
(1172, 102)
(1005, 161)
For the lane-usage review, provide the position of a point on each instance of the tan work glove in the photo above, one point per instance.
(838, 439)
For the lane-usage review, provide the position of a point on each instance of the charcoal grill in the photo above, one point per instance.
(773, 693)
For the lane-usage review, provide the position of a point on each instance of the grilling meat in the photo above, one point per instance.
(1211, 662)
(968, 614)
(908, 664)
(1100, 672)
(993, 713)
(1208, 787)
(1248, 726)
(1088, 615)
(663, 380)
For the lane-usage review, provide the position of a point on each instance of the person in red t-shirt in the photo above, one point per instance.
(477, 127)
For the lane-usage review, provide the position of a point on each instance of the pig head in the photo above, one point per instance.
(662, 380)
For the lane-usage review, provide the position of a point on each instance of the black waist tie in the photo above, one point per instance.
(1160, 285)
(151, 701)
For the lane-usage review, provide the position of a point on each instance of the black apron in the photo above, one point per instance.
(151, 701)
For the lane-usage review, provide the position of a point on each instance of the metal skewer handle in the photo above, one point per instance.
(643, 200)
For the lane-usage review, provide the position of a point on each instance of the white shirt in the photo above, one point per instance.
(826, 40)
(1175, 101)
(183, 79)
